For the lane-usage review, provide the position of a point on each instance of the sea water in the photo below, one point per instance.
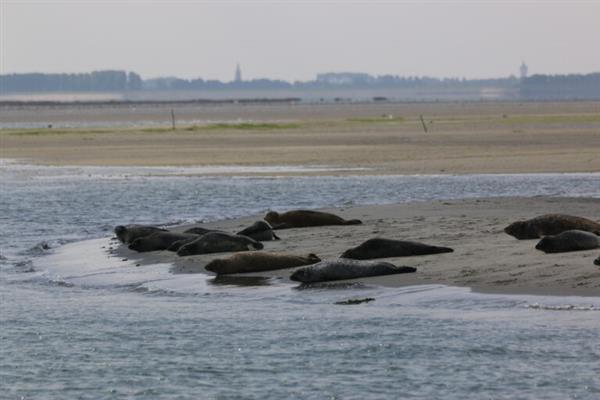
(118, 331)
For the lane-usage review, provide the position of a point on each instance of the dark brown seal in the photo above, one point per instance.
(597, 261)
(260, 230)
(305, 218)
(573, 240)
(258, 261)
(382, 248)
(219, 242)
(128, 233)
(343, 268)
(550, 224)
(159, 241)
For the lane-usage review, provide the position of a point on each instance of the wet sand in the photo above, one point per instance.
(461, 138)
(484, 258)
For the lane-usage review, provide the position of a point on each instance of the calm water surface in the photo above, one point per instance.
(120, 332)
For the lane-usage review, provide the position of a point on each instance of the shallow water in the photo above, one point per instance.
(71, 327)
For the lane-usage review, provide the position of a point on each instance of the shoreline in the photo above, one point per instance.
(485, 259)
(258, 171)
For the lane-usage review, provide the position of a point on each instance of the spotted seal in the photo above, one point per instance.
(573, 240)
(343, 268)
(305, 218)
(219, 242)
(382, 248)
(260, 230)
(128, 233)
(550, 224)
(258, 261)
(159, 241)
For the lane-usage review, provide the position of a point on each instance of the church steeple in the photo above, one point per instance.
(523, 70)
(238, 73)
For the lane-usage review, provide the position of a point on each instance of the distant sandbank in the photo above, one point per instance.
(461, 138)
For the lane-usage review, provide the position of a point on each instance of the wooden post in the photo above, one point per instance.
(173, 118)
(423, 122)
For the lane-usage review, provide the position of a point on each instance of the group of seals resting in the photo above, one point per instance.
(559, 232)
(550, 224)
(144, 238)
(305, 218)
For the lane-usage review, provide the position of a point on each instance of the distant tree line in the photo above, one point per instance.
(572, 86)
(97, 81)
(536, 86)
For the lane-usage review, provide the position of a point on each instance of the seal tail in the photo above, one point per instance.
(353, 222)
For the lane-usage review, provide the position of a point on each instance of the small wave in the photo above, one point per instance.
(563, 307)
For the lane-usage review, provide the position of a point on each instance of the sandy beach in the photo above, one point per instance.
(461, 138)
(485, 258)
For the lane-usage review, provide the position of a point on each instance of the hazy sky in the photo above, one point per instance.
(295, 40)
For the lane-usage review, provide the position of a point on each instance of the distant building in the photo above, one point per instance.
(238, 73)
(523, 70)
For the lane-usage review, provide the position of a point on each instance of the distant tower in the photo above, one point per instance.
(238, 73)
(523, 70)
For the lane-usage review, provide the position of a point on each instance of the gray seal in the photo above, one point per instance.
(159, 241)
(128, 233)
(199, 230)
(573, 240)
(305, 218)
(219, 242)
(550, 224)
(382, 248)
(343, 268)
(260, 230)
(258, 261)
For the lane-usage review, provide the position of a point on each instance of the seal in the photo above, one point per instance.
(199, 231)
(573, 240)
(128, 233)
(159, 241)
(219, 242)
(260, 230)
(550, 224)
(597, 261)
(343, 268)
(305, 218)
(382, 248)
(258, 261)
